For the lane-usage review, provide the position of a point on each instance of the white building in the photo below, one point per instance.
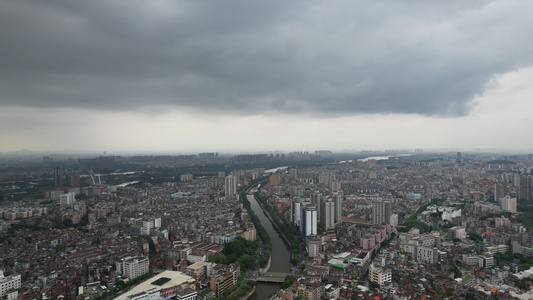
(296, 212)
(186, 177)
(508, 204)
(67, 199)
(132, 267)
(394, 220)
(230, 186)
(483, 261)
(310, 220)
(166, 285)
(9, 284)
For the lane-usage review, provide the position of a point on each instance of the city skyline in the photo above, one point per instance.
(169, 77)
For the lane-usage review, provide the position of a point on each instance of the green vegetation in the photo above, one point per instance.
(501, 162)
(60, 247)
(289, 280)
(524, 206)
(19, 226)
(239, 250)
(151, 245)
(526, 219)
(475, 237)
(283, 227)
(523, 284)
(412, 222)
(423, 227)
(241, 290)
(456, 272)
(261, 231)
(496, 215)
(524, 262)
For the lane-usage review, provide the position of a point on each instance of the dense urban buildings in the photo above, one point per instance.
(410, 226)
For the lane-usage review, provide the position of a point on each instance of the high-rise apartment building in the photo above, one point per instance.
(58, 176)
(526, 186)
(335, 186)
(508, 204)
(316, 198)
(327, 217)
(67, 199)
(500, 191)
(310, 220)
(230, 186)
(337, 199)
(381, 212)
(296, 212)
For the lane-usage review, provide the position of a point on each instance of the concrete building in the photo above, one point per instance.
(379, 275)
(132, 267)
(58, 176)
(335, 186)
(327, 215)
(309, 223)
(274, 179)
(166, 285)
(316, 199)
(230, 186)
(337, 199)
(508, 204)
(67, 199)
(296, 212)
(223, 277)
(456, 232)
(381, 212)
(186, 177)
(427, 254)
(526, 187)
(9, 284)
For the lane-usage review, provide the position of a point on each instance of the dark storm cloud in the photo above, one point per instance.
(333, 57)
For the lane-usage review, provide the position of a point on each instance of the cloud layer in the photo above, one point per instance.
(250, 57)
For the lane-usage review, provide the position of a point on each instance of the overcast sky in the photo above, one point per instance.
(163, 76)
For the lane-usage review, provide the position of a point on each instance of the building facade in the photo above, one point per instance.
(132, 267)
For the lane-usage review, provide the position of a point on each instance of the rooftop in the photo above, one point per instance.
(161, 281)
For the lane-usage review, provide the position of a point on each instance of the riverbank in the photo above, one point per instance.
(248, 295)
(287, 243)
(265, 269)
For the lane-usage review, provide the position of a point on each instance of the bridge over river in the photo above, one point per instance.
(272, 277)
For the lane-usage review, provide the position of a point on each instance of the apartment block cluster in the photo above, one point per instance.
(15, 211)
(475, 196)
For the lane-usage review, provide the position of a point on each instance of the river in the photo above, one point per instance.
(382, 157)
(280, 254)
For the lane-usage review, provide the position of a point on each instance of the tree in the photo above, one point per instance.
(456, 272)
(246, 261)
(60, 247)
(475, 237)
(289, 280)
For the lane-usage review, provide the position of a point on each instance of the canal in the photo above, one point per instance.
(280, 253)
